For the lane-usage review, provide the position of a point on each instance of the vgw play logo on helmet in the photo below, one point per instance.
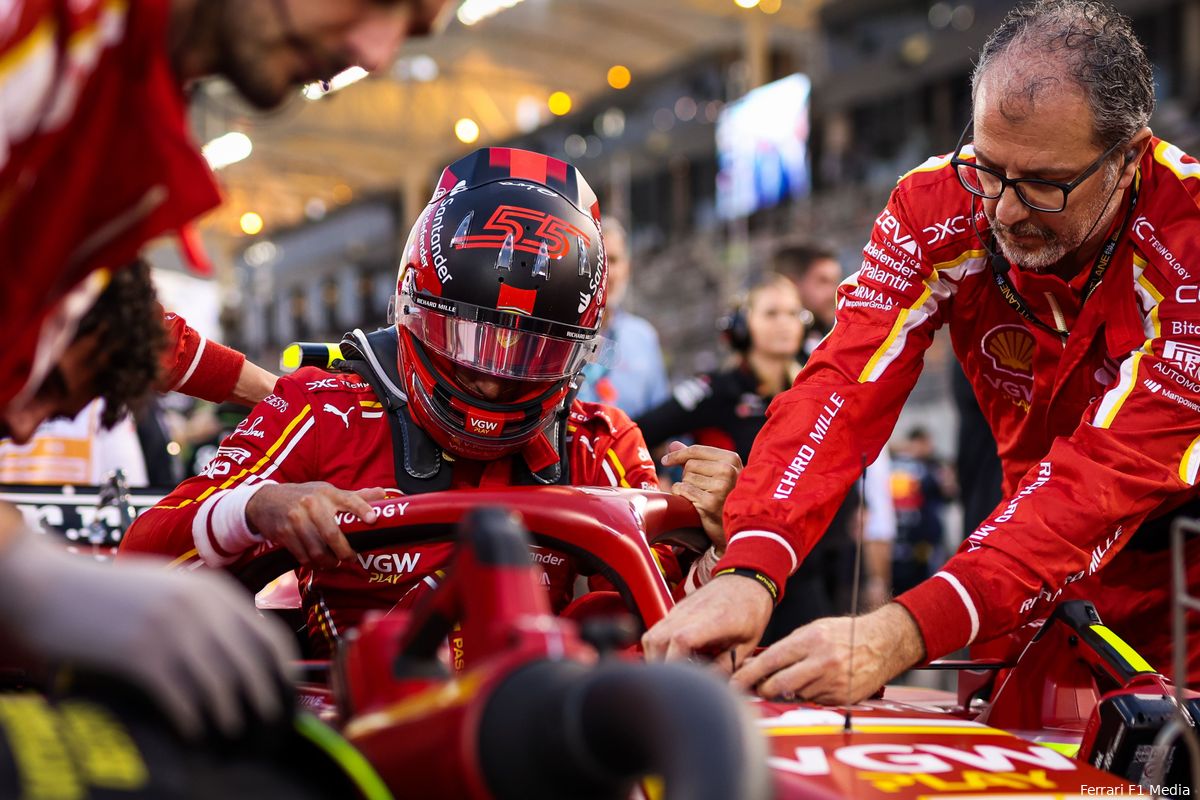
(1008, 363)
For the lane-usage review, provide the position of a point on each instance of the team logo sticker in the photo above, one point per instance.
(1010, 349)
(1008, 363)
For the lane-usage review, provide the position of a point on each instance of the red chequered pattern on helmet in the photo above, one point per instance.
(514, 299)
(500, 157)
(447, 182)
(528, 166)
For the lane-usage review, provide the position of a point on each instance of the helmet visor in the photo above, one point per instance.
(497, 349)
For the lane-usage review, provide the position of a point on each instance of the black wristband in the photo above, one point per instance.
(753, 574)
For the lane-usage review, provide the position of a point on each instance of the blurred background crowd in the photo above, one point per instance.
(740, 149)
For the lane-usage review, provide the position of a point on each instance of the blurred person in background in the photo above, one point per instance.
(631, 375)
(475, 381)
(160, 449)
(726, 409)
(816, 272)
(96, 159)
(921, 485)
(1070, 295)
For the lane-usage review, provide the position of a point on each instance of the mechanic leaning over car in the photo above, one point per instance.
(96, 159)
(499, 302)
(1061, 247)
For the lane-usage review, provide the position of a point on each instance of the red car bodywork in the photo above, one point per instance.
(416, 729)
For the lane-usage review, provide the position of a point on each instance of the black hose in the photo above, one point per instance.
(562, 729)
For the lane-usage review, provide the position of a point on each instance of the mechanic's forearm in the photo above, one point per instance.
(901, 644)
(253, 384)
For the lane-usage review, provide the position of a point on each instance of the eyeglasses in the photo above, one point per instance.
(1037, 193)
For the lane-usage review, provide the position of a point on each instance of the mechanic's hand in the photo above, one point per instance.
(813, 662)
(728, 612)
(192, 641)
(709, 474)
(301, 517)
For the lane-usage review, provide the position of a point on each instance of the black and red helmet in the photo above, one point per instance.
(502, 281)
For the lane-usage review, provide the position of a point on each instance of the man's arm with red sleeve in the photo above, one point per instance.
(1136, 450)
(206, 515)
(821, 433)
(197, 366)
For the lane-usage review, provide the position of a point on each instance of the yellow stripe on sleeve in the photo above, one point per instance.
(616, 462)
(897, 327)
(1190, 464)
(249, 471)
(183, 559)
(901, 323)
(1116, 398)
(1155, 295)
(41, 36)
(1171, 157)
(956, 261)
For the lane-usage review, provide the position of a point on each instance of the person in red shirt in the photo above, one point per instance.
(499, 302)
(95, 153)
(96, 159)
(1060, 249)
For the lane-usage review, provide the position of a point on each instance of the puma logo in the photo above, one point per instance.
(345, 415)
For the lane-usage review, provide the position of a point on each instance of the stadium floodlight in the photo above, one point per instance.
(228, 149)
(473, 11)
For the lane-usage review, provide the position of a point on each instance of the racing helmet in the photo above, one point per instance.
(499, 301)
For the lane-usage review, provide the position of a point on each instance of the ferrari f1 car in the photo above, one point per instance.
(535, 705)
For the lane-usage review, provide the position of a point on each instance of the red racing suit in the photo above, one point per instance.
(95, 159)
(195, 366)
(1098, 433)
(319, 426)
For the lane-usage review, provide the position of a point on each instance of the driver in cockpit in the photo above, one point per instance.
(498, 306)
